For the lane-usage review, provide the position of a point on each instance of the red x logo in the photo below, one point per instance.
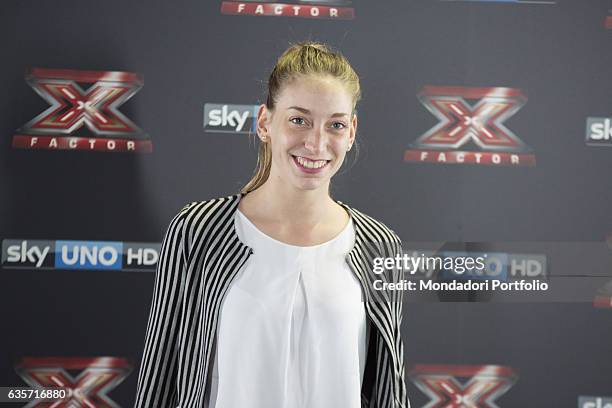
(483, 386)
(88, 389)
(482, 123)
(79, 119)
(72, 107)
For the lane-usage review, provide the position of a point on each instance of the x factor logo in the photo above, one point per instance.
(81, 119)
(471, 133)
(96, 377)
(326, 9)
(479, 387)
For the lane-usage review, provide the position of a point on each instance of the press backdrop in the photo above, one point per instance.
(535, 75)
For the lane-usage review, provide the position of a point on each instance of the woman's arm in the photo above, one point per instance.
(158, 369)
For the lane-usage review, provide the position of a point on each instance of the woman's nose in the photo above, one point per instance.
(315, 140)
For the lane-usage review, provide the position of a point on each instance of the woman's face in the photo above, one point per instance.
(309, 130)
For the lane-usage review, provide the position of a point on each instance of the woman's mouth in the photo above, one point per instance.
(309, 165)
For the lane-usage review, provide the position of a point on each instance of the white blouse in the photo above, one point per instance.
(292, 329)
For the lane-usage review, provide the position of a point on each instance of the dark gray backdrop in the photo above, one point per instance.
(189, 54)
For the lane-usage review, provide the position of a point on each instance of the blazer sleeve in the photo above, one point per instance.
(157, 378)
(404, 400)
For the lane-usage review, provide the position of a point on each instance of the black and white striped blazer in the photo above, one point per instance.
(200, 256)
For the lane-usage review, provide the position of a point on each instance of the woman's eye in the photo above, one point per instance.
(298, 121)
(341, 125)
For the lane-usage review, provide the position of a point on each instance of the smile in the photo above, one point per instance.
(308, 165)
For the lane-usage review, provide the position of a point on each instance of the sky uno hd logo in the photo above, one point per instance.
(463, 386)
(87, 255)
(320, 9)
(501, 266)
(599, 132)
(471, 133)
(226, 118)
(83, 119)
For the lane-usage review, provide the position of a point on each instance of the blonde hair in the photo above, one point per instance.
(301, 59)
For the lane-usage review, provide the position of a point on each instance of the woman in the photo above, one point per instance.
(265, 299)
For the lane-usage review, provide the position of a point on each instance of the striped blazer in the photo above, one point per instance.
(199, 257)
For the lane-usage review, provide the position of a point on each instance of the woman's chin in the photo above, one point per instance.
(309, 185)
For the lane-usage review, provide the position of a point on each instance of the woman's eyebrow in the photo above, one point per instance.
(304, 110)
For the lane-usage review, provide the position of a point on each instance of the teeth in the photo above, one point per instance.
(309, 164)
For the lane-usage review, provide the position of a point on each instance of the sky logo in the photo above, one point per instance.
(594, 402)
(226, 118)
(599, 132)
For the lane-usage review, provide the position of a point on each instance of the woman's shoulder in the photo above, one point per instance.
(197, 218)
(205, 209)
(371, 227)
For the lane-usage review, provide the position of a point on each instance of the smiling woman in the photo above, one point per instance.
(306, 135)
(265, 299)
(314, 92)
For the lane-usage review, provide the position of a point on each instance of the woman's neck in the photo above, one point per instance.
(287, 205)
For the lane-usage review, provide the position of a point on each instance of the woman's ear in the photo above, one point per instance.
(353, 131)
(264, 117)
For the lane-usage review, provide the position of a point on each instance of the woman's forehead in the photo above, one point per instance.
(315, 95)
